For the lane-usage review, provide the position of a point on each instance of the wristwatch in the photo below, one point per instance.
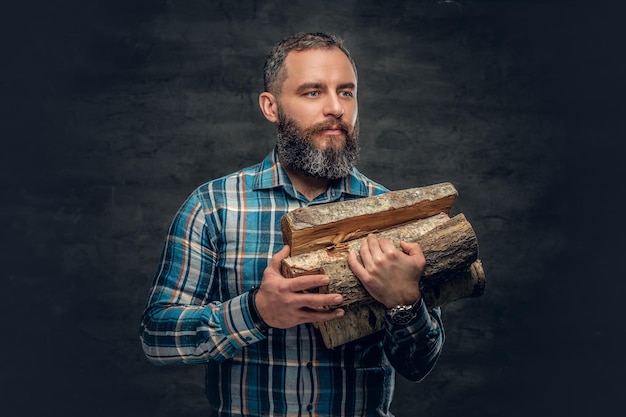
(403, 314)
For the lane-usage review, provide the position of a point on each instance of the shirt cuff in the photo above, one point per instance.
(419, 323)
(256, 317)
(238, 321)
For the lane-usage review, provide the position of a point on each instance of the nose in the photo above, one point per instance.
(334, 107)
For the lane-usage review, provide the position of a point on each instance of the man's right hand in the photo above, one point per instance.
(283, 303)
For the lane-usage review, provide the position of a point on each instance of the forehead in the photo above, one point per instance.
(319, 65)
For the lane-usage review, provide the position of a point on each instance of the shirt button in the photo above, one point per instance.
(309, 408)
(309, 366)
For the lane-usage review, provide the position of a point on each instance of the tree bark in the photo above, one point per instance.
(321, 237)
(311, 262)
(368, 317)
(449, 249)
(316, 227)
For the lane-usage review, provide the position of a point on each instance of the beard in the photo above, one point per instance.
(297, 149)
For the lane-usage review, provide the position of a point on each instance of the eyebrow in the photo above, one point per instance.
(316, 86)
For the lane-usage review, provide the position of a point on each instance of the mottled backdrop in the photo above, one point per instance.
(113, 111)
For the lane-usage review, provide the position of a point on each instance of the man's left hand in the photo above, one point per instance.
(389, 274)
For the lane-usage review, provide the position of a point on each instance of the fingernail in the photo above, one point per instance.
(338, 299)
(339, 313)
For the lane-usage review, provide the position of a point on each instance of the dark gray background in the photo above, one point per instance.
(113, 111)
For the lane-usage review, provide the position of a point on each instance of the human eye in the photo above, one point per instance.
(346, 90)
(346, 94)
(313, 93)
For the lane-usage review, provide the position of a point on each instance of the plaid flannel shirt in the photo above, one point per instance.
(217, 248)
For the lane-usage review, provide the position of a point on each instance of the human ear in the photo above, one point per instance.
(269, 106)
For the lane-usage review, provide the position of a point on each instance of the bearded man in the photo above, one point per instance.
(219, 297)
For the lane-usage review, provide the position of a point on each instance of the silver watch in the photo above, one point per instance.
(403, 314)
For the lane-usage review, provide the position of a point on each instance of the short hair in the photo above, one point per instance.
(274, 71)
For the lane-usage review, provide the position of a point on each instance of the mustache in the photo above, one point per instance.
(332, 124)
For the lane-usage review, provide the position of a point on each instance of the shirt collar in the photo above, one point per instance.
(271, 174)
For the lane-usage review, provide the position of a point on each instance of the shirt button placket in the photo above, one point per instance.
(309, 367)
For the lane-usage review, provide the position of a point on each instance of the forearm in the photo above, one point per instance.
(413, 350)
(185, 320)
(194, 334)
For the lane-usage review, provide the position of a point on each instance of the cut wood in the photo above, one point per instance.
(320, 226)
(322, 236)
(452, 272)
(368, 317)
(359, 320)
(309, 263)
(468, 283)
(449, 248)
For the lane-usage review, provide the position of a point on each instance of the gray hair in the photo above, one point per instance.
(274, 71)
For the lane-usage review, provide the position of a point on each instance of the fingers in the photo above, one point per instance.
(410, 248)
(318, 302)
(390, 274)
(284, 303)
(282, 307)
(313, 316)
(378, 248)
(368, 253)
(354, 264)
(307, 282)
(414, 250)
(301, 283)
(376, 252)
(314, 300)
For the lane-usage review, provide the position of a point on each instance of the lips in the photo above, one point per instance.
(335, 130)
(330, 128)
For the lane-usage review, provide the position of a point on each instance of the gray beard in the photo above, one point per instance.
(298, 152)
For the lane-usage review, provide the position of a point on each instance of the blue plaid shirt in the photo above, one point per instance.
(217, 248)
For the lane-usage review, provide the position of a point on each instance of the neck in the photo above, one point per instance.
(306, 185)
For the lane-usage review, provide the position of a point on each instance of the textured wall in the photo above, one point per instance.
(114, 111)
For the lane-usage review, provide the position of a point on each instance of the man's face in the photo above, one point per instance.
(317, 120)
(298, 149)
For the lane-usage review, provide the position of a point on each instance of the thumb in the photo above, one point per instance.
(411, 249)
(279, 256)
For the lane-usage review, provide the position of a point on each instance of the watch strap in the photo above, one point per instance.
(256, 317)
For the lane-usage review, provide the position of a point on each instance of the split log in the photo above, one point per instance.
(310, 263)
(321, 237)
(368, 317)
(468, 283)
(359, 320)
(449, 249)
(320, 226)
(452, 272)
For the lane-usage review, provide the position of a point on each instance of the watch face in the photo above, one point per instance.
(402, 316)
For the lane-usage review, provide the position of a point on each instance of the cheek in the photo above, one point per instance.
(353, 119)
(353, 110)
(302, 114)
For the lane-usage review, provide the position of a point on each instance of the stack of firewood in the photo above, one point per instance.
(321, 236)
